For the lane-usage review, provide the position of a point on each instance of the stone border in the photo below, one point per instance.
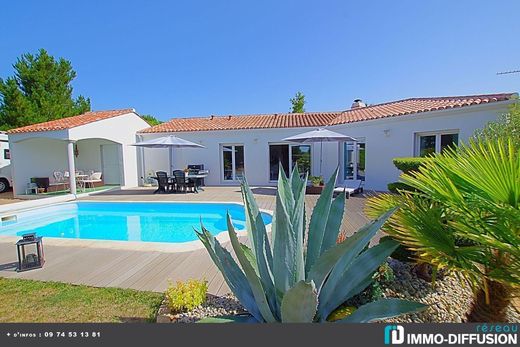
(163, 313)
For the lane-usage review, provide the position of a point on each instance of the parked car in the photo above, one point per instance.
(6, 181)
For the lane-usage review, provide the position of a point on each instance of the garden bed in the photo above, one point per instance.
(214, 306)
(449, 300)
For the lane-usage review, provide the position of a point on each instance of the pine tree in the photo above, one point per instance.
(298, 103)
(150, 119)
(39, 91)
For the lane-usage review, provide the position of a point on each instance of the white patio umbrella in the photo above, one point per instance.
(170, 142)
(319, 135)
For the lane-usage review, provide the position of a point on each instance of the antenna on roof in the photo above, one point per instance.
(508, 72)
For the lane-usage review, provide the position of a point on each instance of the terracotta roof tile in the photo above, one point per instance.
(261, 121)
(415, 105)
(71, 122)
(320, 119)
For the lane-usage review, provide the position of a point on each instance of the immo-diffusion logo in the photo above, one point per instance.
(482, 334)
(394, 334)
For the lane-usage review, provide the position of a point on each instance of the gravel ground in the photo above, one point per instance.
(449, 300)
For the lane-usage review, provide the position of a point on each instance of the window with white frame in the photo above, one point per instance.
(288, 156)
(435, 142)
(233, 167)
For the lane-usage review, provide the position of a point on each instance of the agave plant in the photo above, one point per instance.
(465, 216)
(285, 278)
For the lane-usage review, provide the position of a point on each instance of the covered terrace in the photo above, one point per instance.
(73, 153)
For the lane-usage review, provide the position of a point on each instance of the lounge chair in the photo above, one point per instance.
(351, 187)
(93, 179)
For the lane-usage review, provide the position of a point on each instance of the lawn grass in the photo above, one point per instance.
(49, 302)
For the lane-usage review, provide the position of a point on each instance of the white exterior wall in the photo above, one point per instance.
(256, 153)
(400, 142)
(36, 157)
(89, 157)
(121, 129)
(380, 148)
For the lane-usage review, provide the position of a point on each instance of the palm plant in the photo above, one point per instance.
(290, 280)
(465, 217)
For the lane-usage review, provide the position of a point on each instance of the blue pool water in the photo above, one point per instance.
(135, 221)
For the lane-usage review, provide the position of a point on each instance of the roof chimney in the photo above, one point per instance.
(358, 103)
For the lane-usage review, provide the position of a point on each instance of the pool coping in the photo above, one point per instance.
(189, 246)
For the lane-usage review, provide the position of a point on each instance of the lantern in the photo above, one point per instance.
(26, 259)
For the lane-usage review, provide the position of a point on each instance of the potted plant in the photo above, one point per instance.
(316, 181)
(316, 185)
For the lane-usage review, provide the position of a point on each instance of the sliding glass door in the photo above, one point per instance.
(278, 154)
(233, 167)
(288, 156)
(354, 160)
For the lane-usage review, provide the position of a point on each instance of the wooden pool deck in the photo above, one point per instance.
(149, 269)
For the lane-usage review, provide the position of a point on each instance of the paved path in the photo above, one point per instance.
(145, 269)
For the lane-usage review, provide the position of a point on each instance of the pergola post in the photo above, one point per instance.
(72, 166)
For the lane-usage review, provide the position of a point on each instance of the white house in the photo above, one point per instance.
(252, 145)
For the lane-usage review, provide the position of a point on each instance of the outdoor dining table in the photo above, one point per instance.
(197, 178)
(79, 179)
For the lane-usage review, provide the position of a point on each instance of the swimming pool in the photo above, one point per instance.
(170, 222)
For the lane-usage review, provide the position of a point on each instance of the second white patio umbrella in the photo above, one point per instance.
(170, 142)
(319, 135)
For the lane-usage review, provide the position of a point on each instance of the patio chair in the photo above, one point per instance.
(59, 180)
(32, 188)
(173, 181)
(92, 179)
(162, 180)
(351, 187)
(181, 182)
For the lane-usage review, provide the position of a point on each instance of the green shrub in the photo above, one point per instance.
(409, 164)
(384, 274)
(374, 292)
(185, 296)
(466, 219)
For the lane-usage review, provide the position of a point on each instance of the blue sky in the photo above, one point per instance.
(196, 58)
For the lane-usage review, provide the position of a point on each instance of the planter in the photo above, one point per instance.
(313, 190)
